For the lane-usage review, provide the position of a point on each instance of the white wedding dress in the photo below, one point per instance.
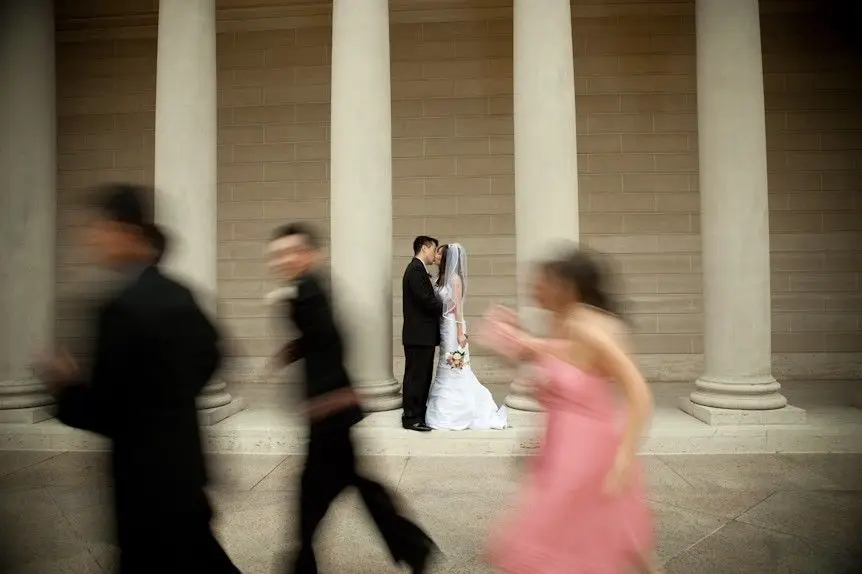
(458, 401)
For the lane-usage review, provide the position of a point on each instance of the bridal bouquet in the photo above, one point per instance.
(459, 358)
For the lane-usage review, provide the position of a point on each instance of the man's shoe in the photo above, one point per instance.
(423, 563)
(418, 427)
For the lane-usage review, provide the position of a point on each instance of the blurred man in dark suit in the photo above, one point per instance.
(155, 350)
(158, 241)
(332, 408)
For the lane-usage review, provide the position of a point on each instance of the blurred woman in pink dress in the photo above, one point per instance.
(582, 508)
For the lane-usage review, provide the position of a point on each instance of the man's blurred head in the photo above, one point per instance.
(293, 250)
(117, 231)
(158, 242)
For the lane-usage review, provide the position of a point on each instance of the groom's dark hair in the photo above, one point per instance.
(421, 242)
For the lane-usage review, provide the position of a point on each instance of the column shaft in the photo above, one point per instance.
(361, 194)
(27, 203)
(734, 210)
(546, 169)
(185, 157)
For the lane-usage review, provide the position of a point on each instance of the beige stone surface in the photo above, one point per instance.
(453, 157)
(715, 515)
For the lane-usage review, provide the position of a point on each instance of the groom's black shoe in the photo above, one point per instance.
(418, 427)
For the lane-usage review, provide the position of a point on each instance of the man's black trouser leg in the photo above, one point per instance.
(405, 540)
(418, 373)
(329, 468)
(167, 529)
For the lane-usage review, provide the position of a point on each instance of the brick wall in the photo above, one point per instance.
(813, 92)
(452, 162)
(105, 132)
(637, 143)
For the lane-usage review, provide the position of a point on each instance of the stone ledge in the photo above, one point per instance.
(259, 430)
(27, 416)
(712, 416)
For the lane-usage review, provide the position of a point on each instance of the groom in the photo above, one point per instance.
(421, 332)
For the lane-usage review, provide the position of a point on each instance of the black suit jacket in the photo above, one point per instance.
(155, 351)
(321, 347)
(421, 307)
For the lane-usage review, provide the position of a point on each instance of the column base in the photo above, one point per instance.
(520, 398)
(378, 397)
(714, 416)
(746, 394)
(24, 402)
(210, 416)
(215, 403)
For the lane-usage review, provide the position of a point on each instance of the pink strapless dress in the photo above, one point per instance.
(562, 522)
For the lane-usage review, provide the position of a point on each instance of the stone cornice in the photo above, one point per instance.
(289, 14)
(280, 17)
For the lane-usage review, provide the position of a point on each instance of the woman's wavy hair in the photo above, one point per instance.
(588, 277)
(441, 268)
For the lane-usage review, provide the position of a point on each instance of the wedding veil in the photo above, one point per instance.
(456, 266)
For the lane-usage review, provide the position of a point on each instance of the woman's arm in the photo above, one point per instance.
(617, 365)
(507, 340)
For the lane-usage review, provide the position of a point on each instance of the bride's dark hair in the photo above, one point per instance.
(586, 275)
(441, 268)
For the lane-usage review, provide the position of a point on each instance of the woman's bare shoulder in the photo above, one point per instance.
(602, 334)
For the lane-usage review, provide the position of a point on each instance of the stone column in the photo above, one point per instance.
(361, 194)
(185, 160)
(546, 168)
(737, 385)
(28, 165)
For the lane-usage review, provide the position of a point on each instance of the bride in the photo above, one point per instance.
(458, 401)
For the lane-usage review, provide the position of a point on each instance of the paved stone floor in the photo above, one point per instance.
(716, 513)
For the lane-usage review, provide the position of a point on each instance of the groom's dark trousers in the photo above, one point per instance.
(420, 335)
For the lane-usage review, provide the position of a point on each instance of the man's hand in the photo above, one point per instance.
(57, 370)
(331, 403)
(290, 353)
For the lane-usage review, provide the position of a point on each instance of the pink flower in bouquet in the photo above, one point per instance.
(458, 359)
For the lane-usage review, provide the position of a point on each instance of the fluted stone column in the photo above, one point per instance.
(546, 168)
(361, 195)
(737, 385)
(28, 165)
(185, 160)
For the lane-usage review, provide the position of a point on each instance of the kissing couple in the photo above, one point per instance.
(453, 399)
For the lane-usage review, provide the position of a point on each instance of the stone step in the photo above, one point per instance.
(272, 430)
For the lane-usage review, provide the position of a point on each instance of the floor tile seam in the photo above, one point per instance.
(756, 504)
(673, 470)
(265, 476)
(815, 542)
(79, 536)
(407, 460)
(31, 465)
(92, 553)
(785, 457)
(725, 522)
(705, 513)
